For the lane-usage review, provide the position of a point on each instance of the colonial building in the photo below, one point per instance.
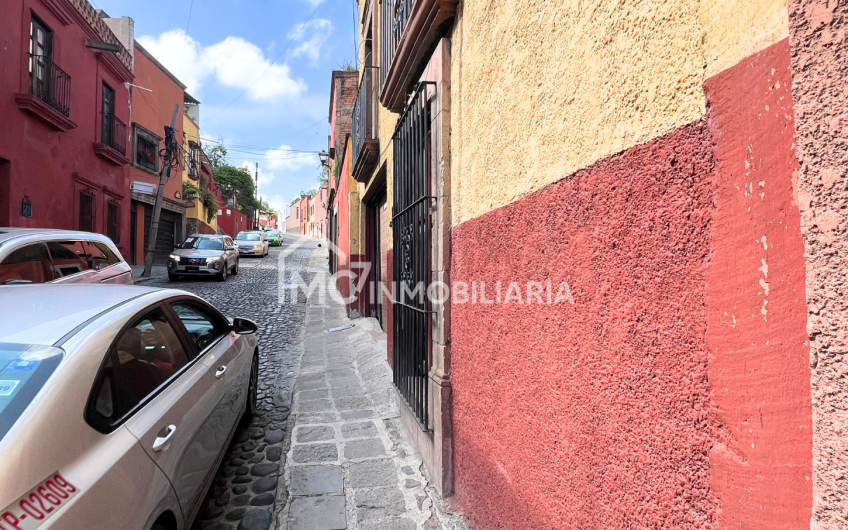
(204, 200)
(639, 208)
(64, 156)
(155, 94)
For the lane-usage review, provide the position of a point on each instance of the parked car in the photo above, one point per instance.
(117, 404)
(274, 237)
(252, 243)
(204, 255)
(29, 255)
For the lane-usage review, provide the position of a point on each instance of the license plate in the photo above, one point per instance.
(38, 505)
(192, 269)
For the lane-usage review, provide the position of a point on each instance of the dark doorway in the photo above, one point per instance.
(5, 192)
(133, 228)
(167, 236)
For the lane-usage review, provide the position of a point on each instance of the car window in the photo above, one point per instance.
(145, 356)
(189, 243)
(229, 242)
(99, 255)
(24, 369)
(68, 257)
(249, 236)
(200, 326)
(210, 243)
(27, 263)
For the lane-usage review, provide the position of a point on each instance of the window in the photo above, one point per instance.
(30, 263)
(99, 255)
(192, 160)
(146, 149)
(199, 325)
(24, 368)
(113, 221)
(144, 357)
(67, 257)
(86, 211)
(41, 53)
(107, 135)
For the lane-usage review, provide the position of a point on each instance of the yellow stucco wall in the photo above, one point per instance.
(541, 89)
(736, 29)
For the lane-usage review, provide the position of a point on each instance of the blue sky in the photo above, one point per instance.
(230, 43)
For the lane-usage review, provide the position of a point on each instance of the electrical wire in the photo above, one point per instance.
(302, 27)
(185, 42)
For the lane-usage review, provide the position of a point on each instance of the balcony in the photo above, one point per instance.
(113, 141)
(49, 96)
(408, 28)
(366, 146)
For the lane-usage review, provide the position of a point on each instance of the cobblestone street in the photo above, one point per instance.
(245, 491)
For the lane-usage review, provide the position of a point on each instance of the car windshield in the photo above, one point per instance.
(24, 369)
(204, 243)
(249, 236)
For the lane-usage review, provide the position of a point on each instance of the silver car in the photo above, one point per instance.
(29, 255)
(252, 243)
(117, 404)
(204, 255)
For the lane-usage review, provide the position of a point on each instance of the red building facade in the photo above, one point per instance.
(65, 108)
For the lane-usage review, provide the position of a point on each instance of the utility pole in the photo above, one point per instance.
(164, 175)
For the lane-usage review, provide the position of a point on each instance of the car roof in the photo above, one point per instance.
(12, 234)
(208, 235)
(44, 313)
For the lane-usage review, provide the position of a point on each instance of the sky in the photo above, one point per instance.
(261, 70)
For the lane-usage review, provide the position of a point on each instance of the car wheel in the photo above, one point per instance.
(250, 407)
(223, 276)
(235, 268)
(173, 278)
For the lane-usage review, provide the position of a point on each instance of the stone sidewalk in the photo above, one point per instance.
(350, 463)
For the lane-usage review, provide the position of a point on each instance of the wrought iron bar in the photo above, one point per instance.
(50, 84)
(117, 139)
(394, 15)
(411, 233)
(363, 114)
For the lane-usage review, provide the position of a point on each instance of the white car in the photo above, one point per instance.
(29, 255)
(252, 243)
(117, 404)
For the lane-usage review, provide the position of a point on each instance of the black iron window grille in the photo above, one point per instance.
(192, 160)
(50, 84)
(412, 234)
(26, 207)
(86, 211)
(117, 137)
(113, 221)
(393, 17)
(363, 114)
(146, 149)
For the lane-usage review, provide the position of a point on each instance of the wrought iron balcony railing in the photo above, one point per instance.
(394, 15)
(50, 84)
(114, 134)
(364, 118)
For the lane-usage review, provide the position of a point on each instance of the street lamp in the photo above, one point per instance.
(324, 156)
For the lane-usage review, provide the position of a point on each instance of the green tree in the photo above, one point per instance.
(217, 154)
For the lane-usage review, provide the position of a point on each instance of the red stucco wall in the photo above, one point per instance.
(759, 358)
(597, 414)
(48, 166)
(819, 37)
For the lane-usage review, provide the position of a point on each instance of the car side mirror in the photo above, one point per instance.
(243, 326)
(231, 247)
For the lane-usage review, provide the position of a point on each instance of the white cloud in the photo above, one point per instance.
(312, 35)
(287, 160)
(234, 62)
(313, 3)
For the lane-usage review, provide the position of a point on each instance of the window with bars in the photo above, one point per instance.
(113, 221)
(146, 149)
(192, 160)
(86, 211)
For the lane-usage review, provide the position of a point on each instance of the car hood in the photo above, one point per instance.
(245, 243)
(197, 253)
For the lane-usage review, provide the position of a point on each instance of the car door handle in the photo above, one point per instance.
(220, 372)
(160, 441)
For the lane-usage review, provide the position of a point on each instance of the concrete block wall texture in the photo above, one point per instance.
(676, 392)
(818, 31)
